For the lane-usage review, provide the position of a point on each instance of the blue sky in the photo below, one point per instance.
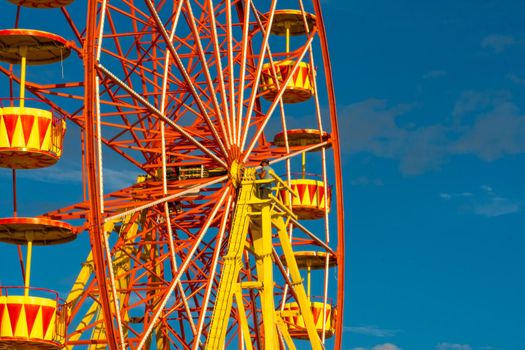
(430, 99)
(431, 104)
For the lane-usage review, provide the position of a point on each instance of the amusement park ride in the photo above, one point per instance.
(192, 95)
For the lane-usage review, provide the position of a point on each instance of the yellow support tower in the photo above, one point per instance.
(259, 217)
(232, 263)
(122, 263)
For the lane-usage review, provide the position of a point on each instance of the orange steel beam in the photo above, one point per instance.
(95, 222)
(186, 76)
(338, 174)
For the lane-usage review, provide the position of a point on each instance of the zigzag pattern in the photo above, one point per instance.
(22, 317)
(299, 88)
(28, 138)
(310, 203)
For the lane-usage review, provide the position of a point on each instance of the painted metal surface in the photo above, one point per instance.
(295, 322)
(301, 137)
(299, 88)
(28, 322)
(41, 231)
(30, 138)
(290, 22)
(177, 85)
(41, 4)
(311, 203)
(40, 47)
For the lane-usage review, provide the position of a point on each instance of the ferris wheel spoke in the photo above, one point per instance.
(277, 98)
(168, 198)
(230, 70)
(182, 269)
(187, 78)
(212, 273)
(71, 23)
(206, 69)
(161, 116)
(243, 59)
(258, 72)
(220, 72)
(130, 129)
(113, 288)
(297, 153)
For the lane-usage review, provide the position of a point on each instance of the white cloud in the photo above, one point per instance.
(365, 181)
(67, 173)
(434, 74)
(497, 43)
(449, 346)
(54, 174)
(371, 126)
(470, 101)
(485, 124)
(447, 196)
(494, 134)
(117, 179)
(497, 207)
(516, 79)
(486, 188)
(371, 330)
(484, 202)
(387, 346)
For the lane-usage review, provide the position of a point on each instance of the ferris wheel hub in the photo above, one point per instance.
(236, 172)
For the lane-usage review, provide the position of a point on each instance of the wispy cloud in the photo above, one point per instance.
(386, 346)
(484, 202)
(366, 181)
(449, 346)
(515, 78)
(445, 195)
(497, 43)
(471, 101)
(373, 128)
(371, 330)
(67, 173)
(497, 207)
(494, 134)
(485, 124)
(116, 179)
(434, 74)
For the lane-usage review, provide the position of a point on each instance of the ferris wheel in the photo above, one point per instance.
(192, 96)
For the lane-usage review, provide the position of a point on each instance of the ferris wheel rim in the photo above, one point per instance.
(221, 154)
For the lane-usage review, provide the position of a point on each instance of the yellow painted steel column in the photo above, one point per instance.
(232, 263)
(309, 281)
(283, 328)
(23, 52)
(262, 245)
(295, 276)
(303, 164)
(287, 37)
(76, 292)
(122, 262)
(28, 265)
(244, 320)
